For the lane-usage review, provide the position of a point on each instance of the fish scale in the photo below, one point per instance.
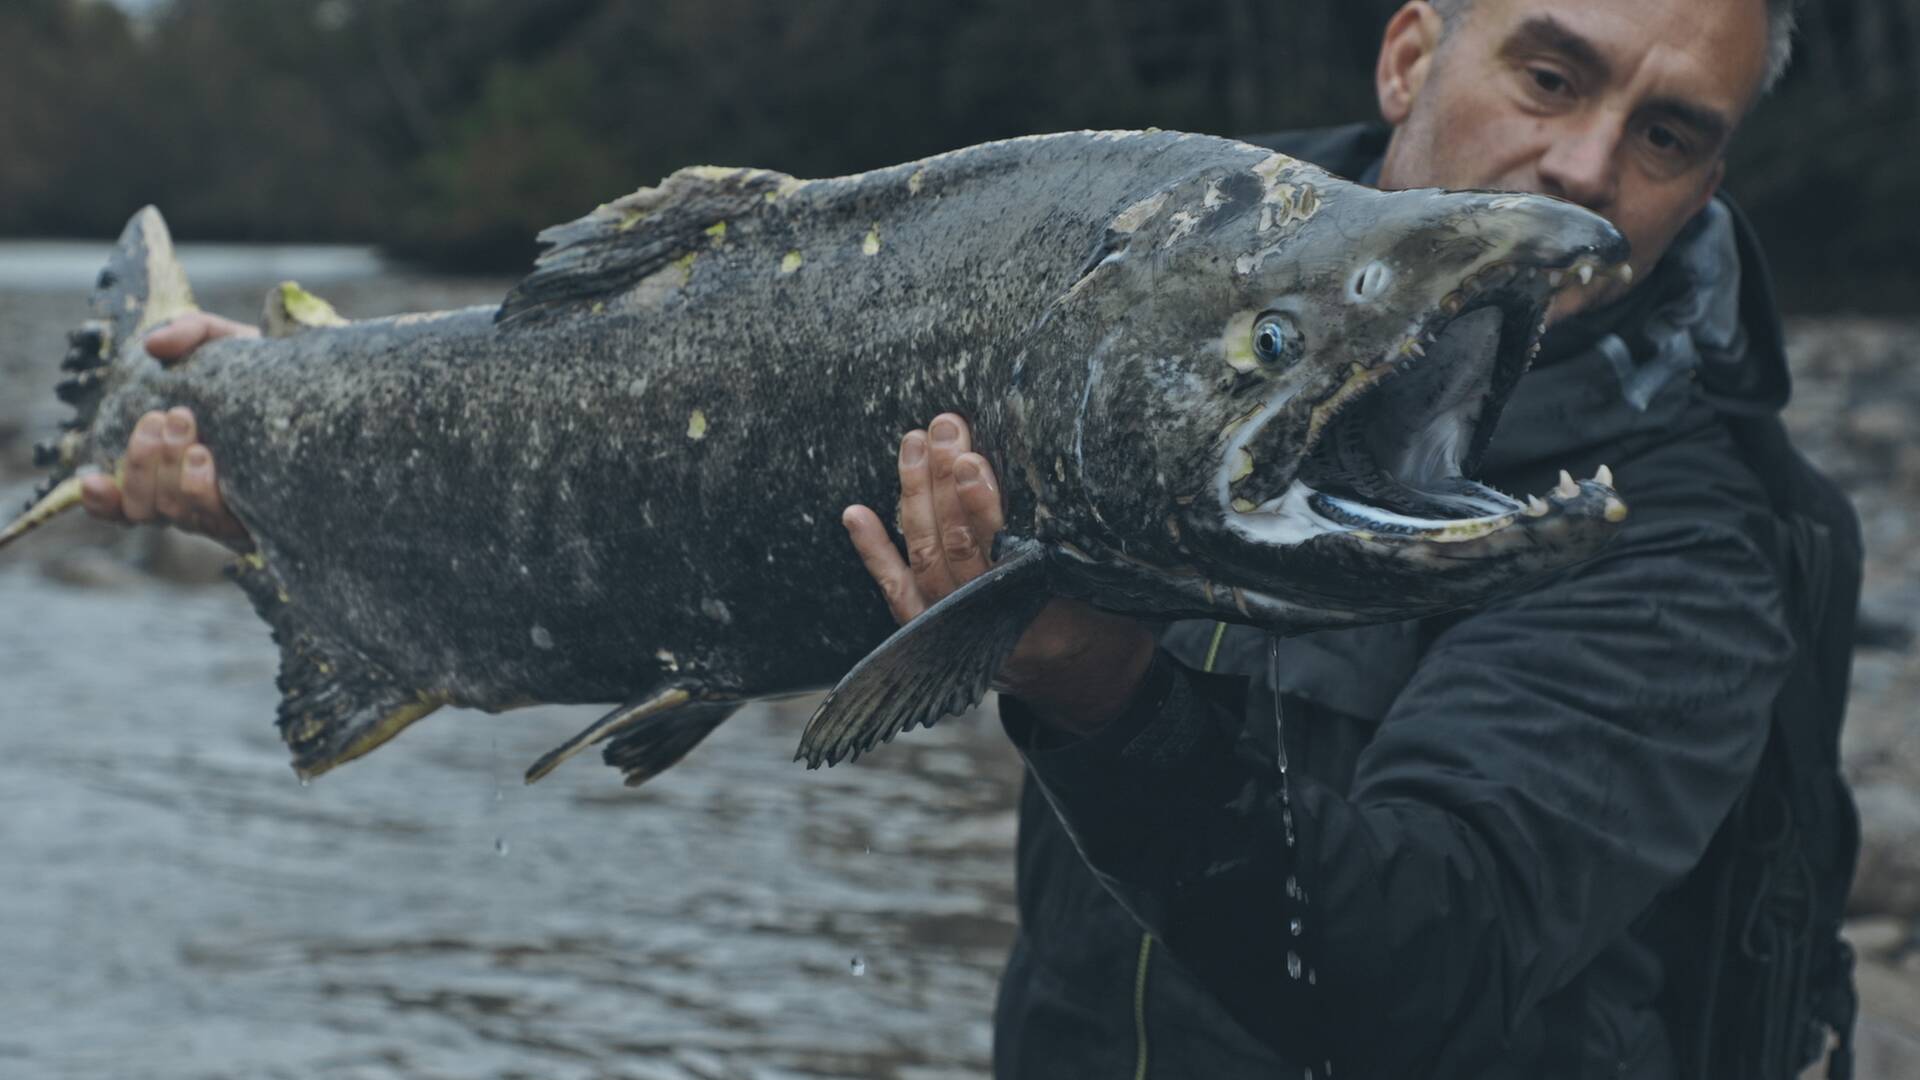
(622, 484)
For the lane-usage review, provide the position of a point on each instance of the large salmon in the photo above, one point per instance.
(1216, 382)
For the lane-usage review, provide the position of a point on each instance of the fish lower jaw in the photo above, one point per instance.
(1303, 512)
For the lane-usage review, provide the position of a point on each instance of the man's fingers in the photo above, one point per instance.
(101, 498)
(919, 526)
(173, 341)
(143, 457)
(883, 562)
(178, 434)
(948, 438)
(198, 492)
(206, 513)
(979, 496)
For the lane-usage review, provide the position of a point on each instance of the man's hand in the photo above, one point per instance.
(1076, 666)
(167, 476)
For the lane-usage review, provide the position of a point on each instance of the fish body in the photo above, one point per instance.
(623, 484)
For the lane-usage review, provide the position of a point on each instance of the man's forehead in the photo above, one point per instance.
(1710, 52)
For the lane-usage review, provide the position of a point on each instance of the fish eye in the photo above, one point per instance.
(1276, 340)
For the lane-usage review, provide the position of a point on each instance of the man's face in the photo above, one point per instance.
(1623, 107)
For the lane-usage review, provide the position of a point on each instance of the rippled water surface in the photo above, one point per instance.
(173, 903)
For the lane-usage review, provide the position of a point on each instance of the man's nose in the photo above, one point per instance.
(1579, 165)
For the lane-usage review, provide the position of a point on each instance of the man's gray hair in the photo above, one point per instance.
(1782, 16)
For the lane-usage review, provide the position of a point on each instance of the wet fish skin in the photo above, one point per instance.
(623, 484)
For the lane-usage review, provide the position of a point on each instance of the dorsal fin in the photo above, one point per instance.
(291, 309)
(597, 257)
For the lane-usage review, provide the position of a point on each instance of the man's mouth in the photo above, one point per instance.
(1390, 453)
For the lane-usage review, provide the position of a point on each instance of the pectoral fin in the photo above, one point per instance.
(937, 665)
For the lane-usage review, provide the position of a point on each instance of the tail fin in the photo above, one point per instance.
(141, 287)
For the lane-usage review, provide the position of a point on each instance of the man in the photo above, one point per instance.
(1429, 849)
(1458, 871)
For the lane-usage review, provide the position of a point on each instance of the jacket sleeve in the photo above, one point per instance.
(1557, 760)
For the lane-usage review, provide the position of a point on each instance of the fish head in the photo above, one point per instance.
(1314, 369)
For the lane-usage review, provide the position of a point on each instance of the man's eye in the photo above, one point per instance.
(1664, 140)
(1549, 81)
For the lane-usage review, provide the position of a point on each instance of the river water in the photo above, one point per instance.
(174, 904)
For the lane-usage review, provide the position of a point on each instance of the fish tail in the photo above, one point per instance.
(142, 286)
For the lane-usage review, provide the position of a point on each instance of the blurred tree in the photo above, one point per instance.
(1829, 168)
(453, 130)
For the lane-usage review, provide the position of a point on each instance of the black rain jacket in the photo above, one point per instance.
(1481, 811)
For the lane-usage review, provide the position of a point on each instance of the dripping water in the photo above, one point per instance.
(1280, 737)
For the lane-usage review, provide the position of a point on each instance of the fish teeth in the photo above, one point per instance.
(1536, 506)
(1567, 489)
(1586, 273)
(1625, 273)
(1603, 475)
(1415, 348)
(1555, 277)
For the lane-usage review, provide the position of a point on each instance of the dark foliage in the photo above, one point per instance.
(451, 131)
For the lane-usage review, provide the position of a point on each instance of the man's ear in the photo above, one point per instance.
(1406, 57)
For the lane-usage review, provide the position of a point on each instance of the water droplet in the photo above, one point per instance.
(1309, 1073)
(1313, 979)
(542, 639)
(1279, 714)
(857, 966)
(1328, 1067)
(500, 846)
(306, 781)
(869, 850)
(1296, 926)
(1293, 888)
(1293, 964)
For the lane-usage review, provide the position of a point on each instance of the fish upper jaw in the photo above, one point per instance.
(1382, 457)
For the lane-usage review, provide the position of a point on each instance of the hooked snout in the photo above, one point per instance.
(1425, 236)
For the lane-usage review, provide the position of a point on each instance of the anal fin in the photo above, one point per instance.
(64, 496)
(937, 665)
(334, 706)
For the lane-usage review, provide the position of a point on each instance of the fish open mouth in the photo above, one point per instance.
(1393, 455)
